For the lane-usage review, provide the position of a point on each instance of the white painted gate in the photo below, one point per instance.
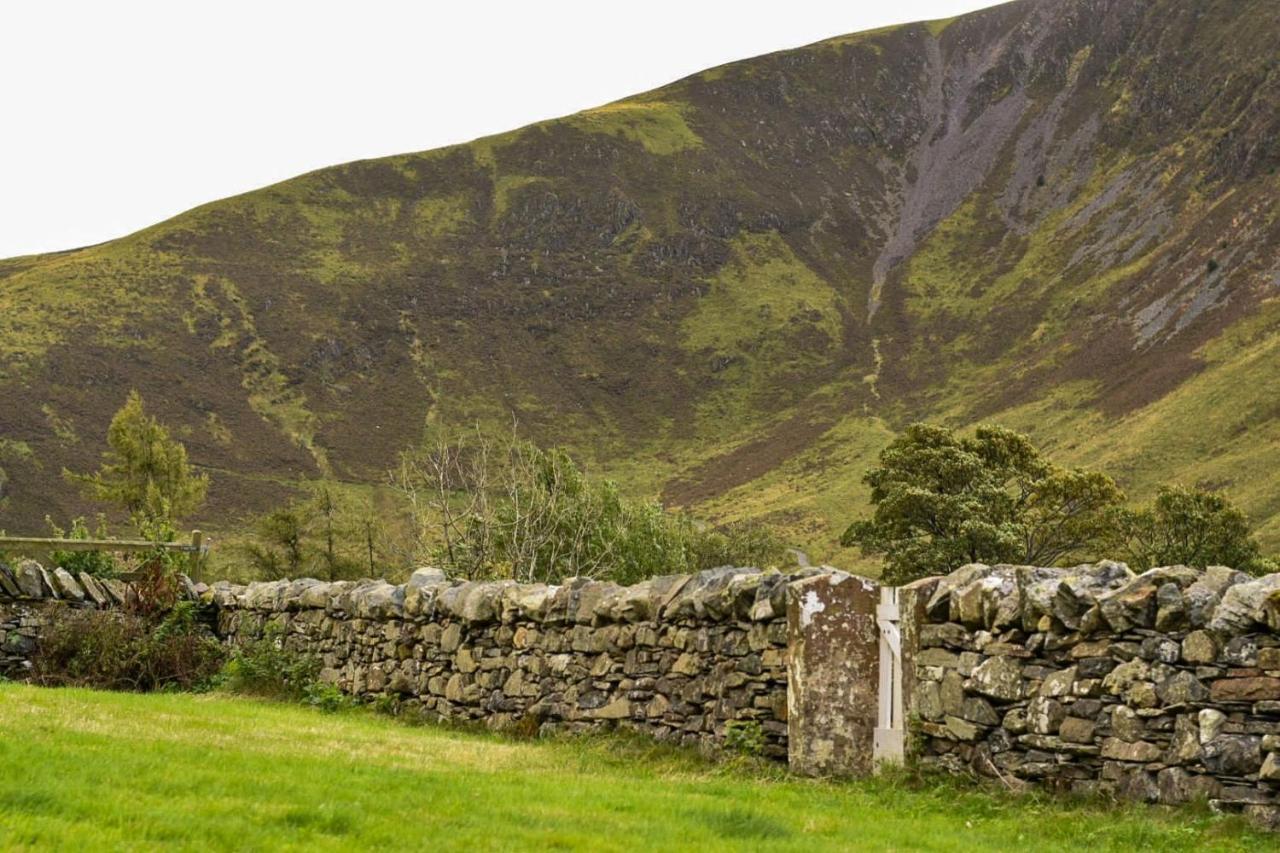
(889, 743)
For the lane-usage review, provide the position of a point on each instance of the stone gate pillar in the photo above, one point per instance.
(833, 675)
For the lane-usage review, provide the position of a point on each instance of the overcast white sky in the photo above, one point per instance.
(120, 114)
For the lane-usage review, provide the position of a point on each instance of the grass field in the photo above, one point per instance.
(86, 770)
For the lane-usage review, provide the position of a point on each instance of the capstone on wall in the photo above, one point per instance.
(1162, 686)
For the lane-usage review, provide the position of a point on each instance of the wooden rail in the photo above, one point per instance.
(195, 548)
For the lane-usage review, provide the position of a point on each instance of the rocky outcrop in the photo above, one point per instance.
(1161, 686)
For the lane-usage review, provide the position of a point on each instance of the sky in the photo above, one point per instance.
(119, 115)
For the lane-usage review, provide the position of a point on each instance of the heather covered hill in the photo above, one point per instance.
(1057, 214)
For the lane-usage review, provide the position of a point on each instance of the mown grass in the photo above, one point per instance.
(87, 770)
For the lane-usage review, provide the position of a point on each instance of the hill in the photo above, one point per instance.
(731, 291)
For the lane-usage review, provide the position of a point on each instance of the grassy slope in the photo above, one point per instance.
(99, 771)
(676, 285)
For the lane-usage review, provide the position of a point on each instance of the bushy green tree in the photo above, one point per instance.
(942, 500)
(1189, 527)
(145, 471)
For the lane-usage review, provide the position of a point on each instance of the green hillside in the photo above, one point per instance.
(1056, 214)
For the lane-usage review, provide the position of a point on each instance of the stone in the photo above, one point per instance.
(29, 578)
(961, 729)
(1090, 649)
(1120, 750)
(1127, 725)
(1211, 721)
(1270, 771)
(1199, 647)
(1138, 785)
(979, 711)
(1044, 716)
(1180, 689)
(1247, 605)
(1094, 668)
(1241, 794)
(928, 701)
(937, 657)
(1015, 720)
(939, 604)
(946, 634)
(1162, 649)
(66, 585)
(1259, 688)
(618, 709)
(1184, 746)
(94, 590)
(687, 664)
(1269, 658)
(451, 638)
(1141, 695)
(992, 599)
(1078, 589)
(1232, 755)
(999, 678)
(1171, 609)
(833, 645)
(1125, 676)
(1264, 817)
(1177, 786)
(1077, 730)
(379, 600)
(1058, 684)
(1241, 651)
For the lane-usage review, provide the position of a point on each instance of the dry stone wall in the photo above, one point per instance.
(28, 593)
(1162, 686)
(682, 658)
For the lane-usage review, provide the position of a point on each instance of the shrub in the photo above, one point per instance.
(97, 563)
(154, 642)
(745, 737)
(485, 509)
(265, 667)
(1191, 527)
(325, 697)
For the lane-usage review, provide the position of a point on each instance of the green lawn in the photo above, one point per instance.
(87, 770)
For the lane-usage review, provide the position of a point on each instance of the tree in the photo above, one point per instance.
(1189, 527)
(941, 500)
(483, 508)
(145, 471)
(327, 533)
(279, 549)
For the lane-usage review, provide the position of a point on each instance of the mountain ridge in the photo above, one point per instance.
(730, 290)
